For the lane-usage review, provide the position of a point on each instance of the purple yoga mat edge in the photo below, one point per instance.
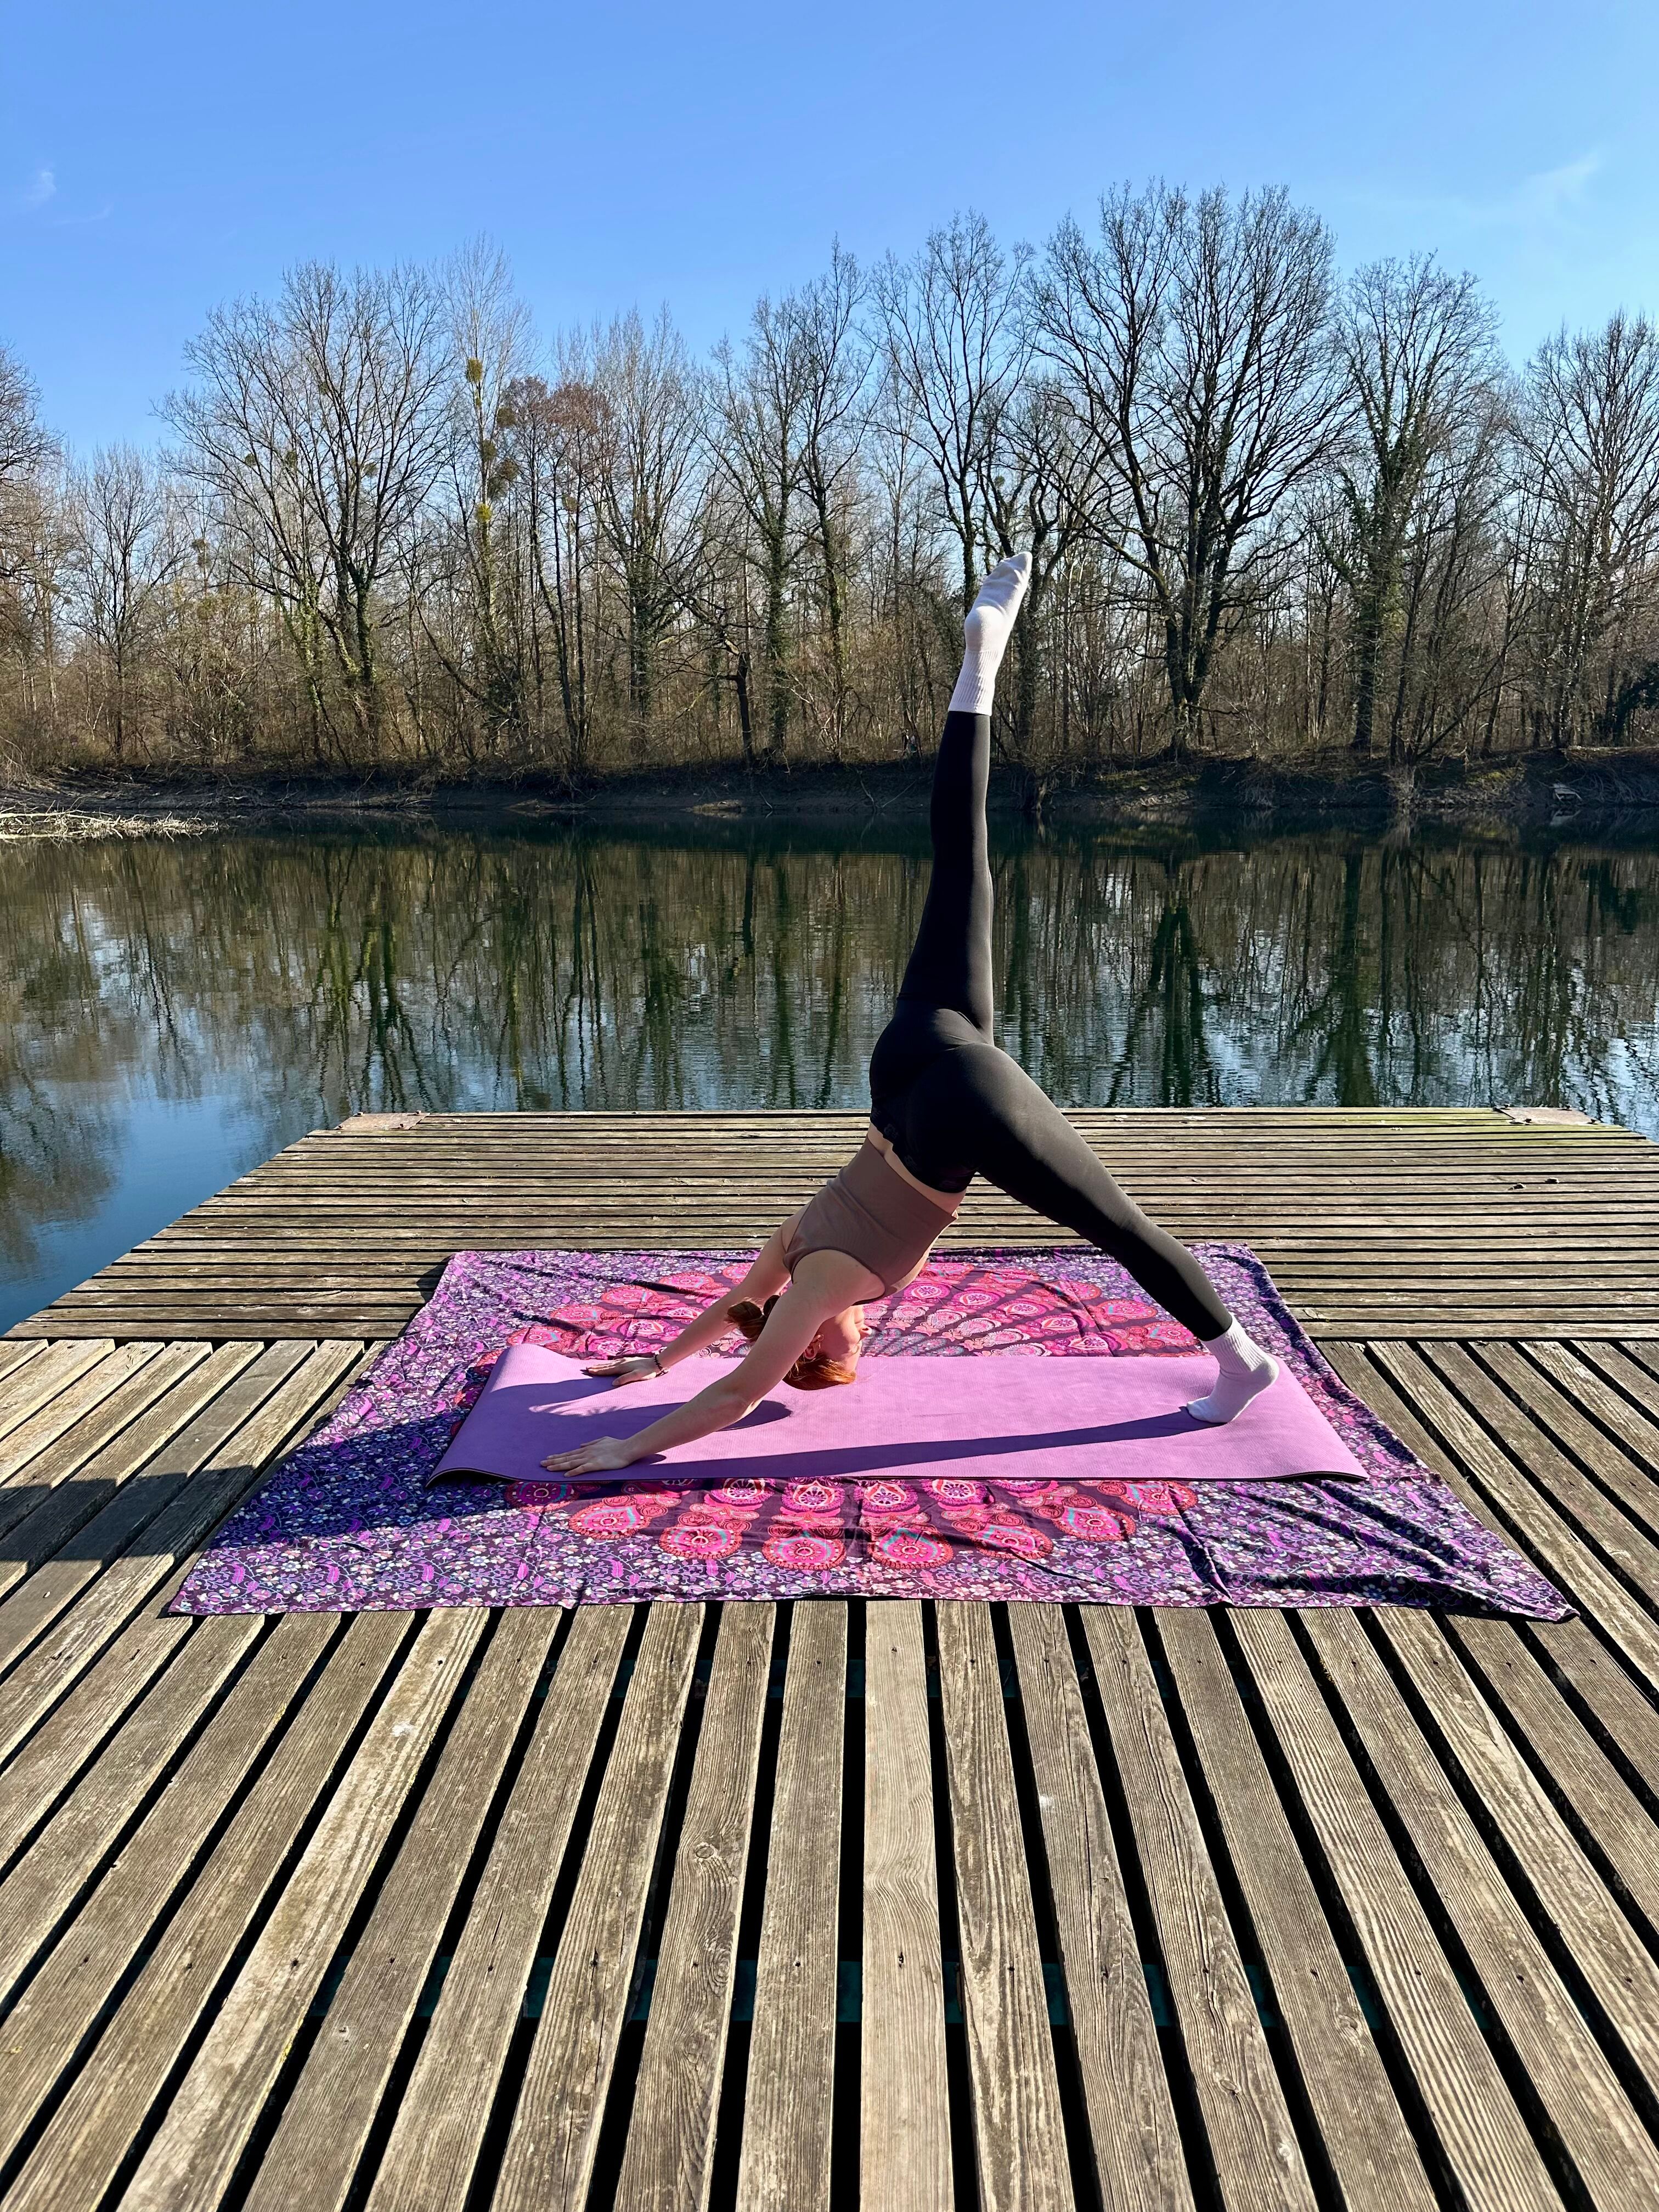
(914, 1414)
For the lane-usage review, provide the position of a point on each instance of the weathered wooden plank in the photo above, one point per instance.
(1584, 1505)
(784, 2158)
(26, 1614)
(286, 1321)
(1138, 2158)
(49, 1763)
(1364, 2133)
(58, 2010)
(434, 2145)
(1596, 1678)
(1525, 1509)
(668, 2160)
(1605, 1949)
(312, 2157)
(1634, 1368)
(1598, 1799)
(548, 2158)
(72, 1642)
(70, 1406)
(1258, 2160)
(85, 2144)
(132, 1378)
(1019, 2133)
(1638, 1434)
(904, 2140)
(13, 1355)
(1487, 2144)
(183, 1379)
(1617, 1466)
(24, 1392)
(211, 2114)
(44, 1883)
(1568, 2074)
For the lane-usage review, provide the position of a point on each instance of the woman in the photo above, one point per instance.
(946, 1104)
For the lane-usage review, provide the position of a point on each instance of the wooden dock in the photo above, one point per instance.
(893, 1906)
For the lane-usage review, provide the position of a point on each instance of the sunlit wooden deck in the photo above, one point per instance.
(889, 1905)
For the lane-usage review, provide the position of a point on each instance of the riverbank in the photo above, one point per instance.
(1532, 791)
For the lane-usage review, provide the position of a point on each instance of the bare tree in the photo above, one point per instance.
(490, 333)
(1450, 631)
(31, 537)
(915, 587)
(561, 439)
(125, 553)
(956, 351)
(1193, 339)
(39, 541)
(757, 427)
(714, 593)
(837, 357)
(647, 496)
(1591, 427)
(1048, 493)
(319, 423)
(1419, 367)
(25, 448)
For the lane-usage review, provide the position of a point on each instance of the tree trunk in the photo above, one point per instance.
(776, 647)
(746, 724)
(1364, 688)
(1028, 673)
(1322, 697)
(834, 612)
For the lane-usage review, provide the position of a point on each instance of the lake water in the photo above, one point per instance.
(171, 1013)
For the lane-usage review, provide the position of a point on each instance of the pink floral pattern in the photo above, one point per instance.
(345, 1522)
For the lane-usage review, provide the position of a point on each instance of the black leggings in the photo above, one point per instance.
(951, 1102)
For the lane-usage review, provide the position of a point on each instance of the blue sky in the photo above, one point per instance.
(156, 159)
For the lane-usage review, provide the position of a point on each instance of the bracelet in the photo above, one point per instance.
(656, 1361)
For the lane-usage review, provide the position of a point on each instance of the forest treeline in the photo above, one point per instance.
(1272, 513)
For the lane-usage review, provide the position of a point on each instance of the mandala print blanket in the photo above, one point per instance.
(347, 1522)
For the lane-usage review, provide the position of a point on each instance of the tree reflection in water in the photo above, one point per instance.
(311, 977)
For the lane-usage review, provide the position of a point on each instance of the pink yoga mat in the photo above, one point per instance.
(1010, 1417)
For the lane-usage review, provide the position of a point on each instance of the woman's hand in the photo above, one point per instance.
(599, 1455)
(633, 1368)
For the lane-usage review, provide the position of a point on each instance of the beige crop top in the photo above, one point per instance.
(871, 1213)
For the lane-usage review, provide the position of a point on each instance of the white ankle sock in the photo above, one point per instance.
(989, 625)
(1243, 1372)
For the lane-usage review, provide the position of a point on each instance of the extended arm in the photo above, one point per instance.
(766, 1275)
(825, 1283)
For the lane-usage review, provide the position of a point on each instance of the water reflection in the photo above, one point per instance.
(254, 987)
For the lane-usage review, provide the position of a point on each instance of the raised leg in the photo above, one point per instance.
(1022, 1143)
(950, 964)
(1025, 1145)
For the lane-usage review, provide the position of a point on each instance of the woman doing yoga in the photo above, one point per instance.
(946, 1104)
